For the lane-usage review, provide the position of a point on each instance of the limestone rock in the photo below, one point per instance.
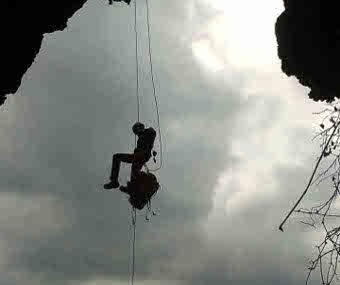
(23, 25)
(308, 36)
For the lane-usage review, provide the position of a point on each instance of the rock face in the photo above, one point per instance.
(308, 36)
(23, 24)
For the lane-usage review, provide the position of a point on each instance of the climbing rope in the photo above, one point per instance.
(134, 212)
(154, 89)
(137, 65)
(134, 221)
(152, 79)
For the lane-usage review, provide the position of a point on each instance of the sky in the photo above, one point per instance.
(237, 151)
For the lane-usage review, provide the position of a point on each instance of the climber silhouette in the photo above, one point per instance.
(140, 156)
(126, 1)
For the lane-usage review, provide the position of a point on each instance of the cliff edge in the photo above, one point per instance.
(308, 36)
(23, 25)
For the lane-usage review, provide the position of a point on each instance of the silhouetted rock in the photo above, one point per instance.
(23, 24)
(308, 36)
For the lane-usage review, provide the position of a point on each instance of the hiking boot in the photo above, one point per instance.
(111, 185)
(124, 189)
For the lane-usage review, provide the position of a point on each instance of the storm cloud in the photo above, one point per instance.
(236, 142)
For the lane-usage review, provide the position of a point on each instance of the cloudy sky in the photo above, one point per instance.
(236, 139)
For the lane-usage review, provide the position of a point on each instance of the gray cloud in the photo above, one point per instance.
(77, 108)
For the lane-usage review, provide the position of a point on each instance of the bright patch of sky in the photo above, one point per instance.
(240, 37)
(240, 34)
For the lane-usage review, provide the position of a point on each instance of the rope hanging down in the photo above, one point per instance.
(137, 67)
(134, 212)
(152, 79)
(154, 89)
(134, 221)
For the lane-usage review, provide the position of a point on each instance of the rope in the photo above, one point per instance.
(149, 41)
(134, 220)
(154, 89)
(137, 67)
(134, 213)
(129, 239)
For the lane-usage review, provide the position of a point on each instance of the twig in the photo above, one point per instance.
(311, 178)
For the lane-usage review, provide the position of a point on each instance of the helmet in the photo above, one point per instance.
(137, 126)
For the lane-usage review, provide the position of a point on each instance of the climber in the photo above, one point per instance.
(141, 155)
(126, 1)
